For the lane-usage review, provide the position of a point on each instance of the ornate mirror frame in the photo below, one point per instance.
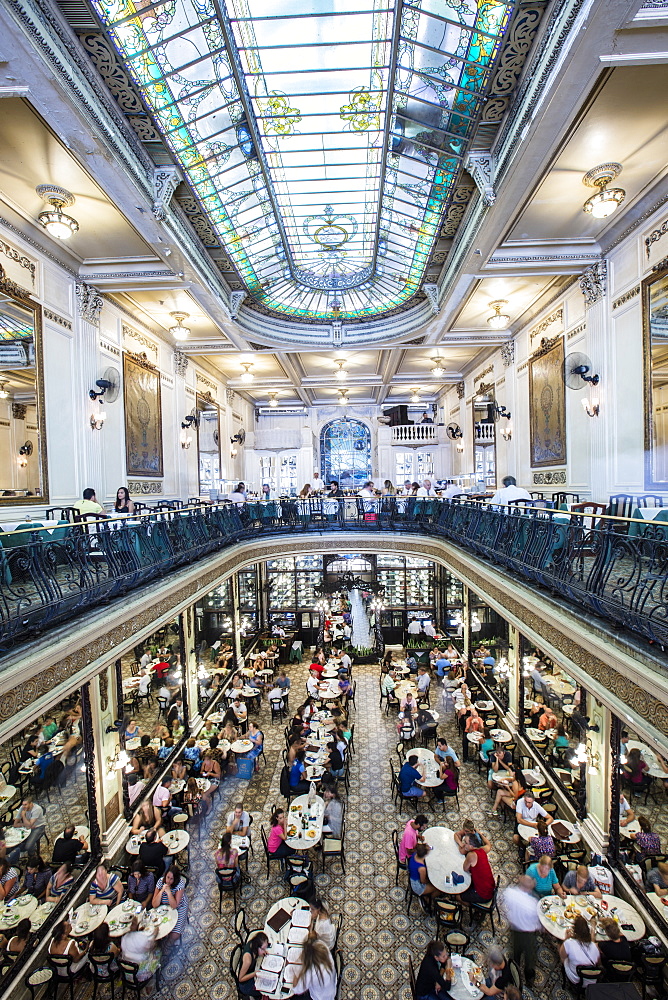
(24, 298)
(658, 277)
(484, 395)
(205, 401)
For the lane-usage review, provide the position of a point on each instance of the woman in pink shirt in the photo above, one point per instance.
(276, 841)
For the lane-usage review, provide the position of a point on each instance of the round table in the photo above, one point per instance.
(538, 735)
(13, 912)
(15, 835)
(215, 717)
(444, 859)
(308, 832)
(559, 687)
(500, 735)
(178, 784)
(403, 671)
(462, 985)
(87, 917)
(526, 832)
(484, 706)
(7, 793)
(475, 737)
(403, 687)
(120, 918)
(431, 766)
(328, 691)
(39, 915)
(241, 746)
(632, 827)
(175, 841)
(554, 906)
(281, 947)
(329, 674)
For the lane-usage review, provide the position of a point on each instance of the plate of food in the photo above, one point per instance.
(291, 831)
(272, 963)
(311, 834)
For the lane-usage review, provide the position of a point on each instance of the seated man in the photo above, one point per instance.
(238, 821)
(411, 771)
(444, 752)
(89, 504)
(657, 880)
(153, 853)
(528, 811)
(423, 680)
(68, 847)
(580, 882)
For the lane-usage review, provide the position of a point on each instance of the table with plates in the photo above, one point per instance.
(655, 768)
(215, 717)
(485, 706)
(240, 844)
(15, 835)
(315, 760)
(465, 978)
(538, 735)
(178, 784)
(15, 910)
(119, 919)
(557, 915)
(135, 743)
(282, 968)
(402, 671)
(557, 686)
(307, 832)
(443, 859)
(432, 769)
(87, 917)
(38, 916)
(329, 674)
(531, 777)
(175, 841)
(500, 735)
(475, 737)
(7, 793)
(526, 832)
(241, 746)
(328, 690)
(632, 827)
(403, 688)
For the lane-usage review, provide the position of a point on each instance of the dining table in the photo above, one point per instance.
(465, 978)
(241, 746)
(286, 925)
(15, 910)
(15, 835)
(87, 917)
(445, 862)
(403, 688)
(654, 761)
(175, 841)
(485, 706)
(559, 686)
(538, 735)
(527, 832)
(532, 777)
(178, 784)
(500, 735)
(328, 690)
(304, 823)
(432, 769)
(119, 919)
(7, 793)
(556, 915)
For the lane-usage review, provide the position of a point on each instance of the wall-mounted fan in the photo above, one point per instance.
(191, 419)
(239, 437)
(109, 385)
(501, 411)
(578, 371)
(454, 432)
(26, 448)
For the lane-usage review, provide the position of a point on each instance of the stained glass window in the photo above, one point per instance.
(345, 453)
(322, 139)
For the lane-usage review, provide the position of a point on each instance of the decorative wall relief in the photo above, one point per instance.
(547, 404)
(143, 416)
(549, 478)
(593, 282)
(508, 353)
(140, 487)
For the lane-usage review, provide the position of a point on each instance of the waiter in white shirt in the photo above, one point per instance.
(426, 489)
(317, 485)
(415, 627)
(510, 491)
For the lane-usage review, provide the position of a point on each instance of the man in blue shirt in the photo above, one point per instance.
(488, 665)
(443, 751)
(442, 665)
(408, 775)
(298, 782)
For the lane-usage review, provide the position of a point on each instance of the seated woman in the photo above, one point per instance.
(561, 742)
(449, 776)
(141, 884)
(251, 957)
(487, 745)
(542, 844)
(318, 975)
(509, 792)
(212, 772)
(60, 882)
(298, 783)
(635, 769)
(276, 845)
(106, 889)
(545, 877)
(321, 924)
(417, 872)
(37, 877)
(144, 819)
(193, 753)
(102, 944)
(20, 938)
(191, 794)
(139, 946)
(170, 891)
(228, 732)
(62, 944)
(578, 949)
(179, 770)
(579, 882)
(256, 736)
(434, 974)
(227, 856)
(164, 751)
(9, 881)
(647, 843)
(132, 730)
(208, 730)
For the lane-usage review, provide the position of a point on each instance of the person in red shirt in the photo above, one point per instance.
(476, 863)
(316, 668)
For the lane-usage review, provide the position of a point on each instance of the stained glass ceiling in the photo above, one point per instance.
(322, 137)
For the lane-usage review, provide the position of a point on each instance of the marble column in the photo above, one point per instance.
(236, 619)
(514, 706)
(91, 470)
(599, 778)
(189, 661)
(594, 286)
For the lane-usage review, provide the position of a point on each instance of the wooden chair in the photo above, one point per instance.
(333, 847)
(228, 881)
(102, 973)
(487, 909)
(411, 979)
(401, 865)
(457, 940)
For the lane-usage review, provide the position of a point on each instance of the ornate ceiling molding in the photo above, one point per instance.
(593, 282)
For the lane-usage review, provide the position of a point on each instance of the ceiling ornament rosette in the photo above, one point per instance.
(374, 126)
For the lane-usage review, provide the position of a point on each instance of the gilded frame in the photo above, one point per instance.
(660, 273)
(24, 297)
(547, 404)
(143, 416)
(204, 400)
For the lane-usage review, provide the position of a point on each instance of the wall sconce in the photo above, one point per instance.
(460, 446)
(507, 432)
(120, 761)
(591, 407)
(233, 452)
(586, 755)
(97, 419)
(185, 438)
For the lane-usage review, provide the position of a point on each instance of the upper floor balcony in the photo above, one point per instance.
(415, 435)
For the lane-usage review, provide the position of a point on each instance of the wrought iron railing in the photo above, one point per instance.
(50, 575)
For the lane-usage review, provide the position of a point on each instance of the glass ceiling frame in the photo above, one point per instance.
(242, 89)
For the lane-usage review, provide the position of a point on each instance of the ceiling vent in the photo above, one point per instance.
(78, 15)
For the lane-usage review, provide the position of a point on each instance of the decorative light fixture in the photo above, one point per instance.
(97, 419)
(3, 391)
(54, 220)
(247, 375)
(585, 756)
(415, 394)
(507, 432)
(606, 200)
(119, 761)
(499, 320)
(438, 371)
(343, 397)
(273, 400)
(459, 446)
(185, 437)
(591, 407)
(340, 374)
(179, 332)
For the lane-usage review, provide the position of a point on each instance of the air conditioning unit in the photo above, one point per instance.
(298, 411)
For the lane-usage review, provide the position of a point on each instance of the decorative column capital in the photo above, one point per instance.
(482, 168)
(461, 389)
(593, 282)
(181, 362)
(230, 395)
(336, 333)
(90, 303)
(508, 353)
(431, 291)
(236, 299)
(165, 181)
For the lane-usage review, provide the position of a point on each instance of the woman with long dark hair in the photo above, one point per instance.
(253, 950)
(430, 983)
(124, 504)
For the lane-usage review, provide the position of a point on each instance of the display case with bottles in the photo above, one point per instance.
(409, 585)
(292, 594)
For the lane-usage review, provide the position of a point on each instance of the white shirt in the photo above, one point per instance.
(521, 909)
(423, 492)
(364, 492)
(579, 954)
(144, 683)
(429, 629)
(508, 493)
(237, 498)
(452, 491)
(415, 627)
(312, 687)
(145, 660)
(531, 812)
(319, 989)
(345, 661)
(317, 486)
(275, 695)
(238, 824)
(423, 683)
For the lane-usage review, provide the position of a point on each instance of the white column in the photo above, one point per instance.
(593, 284)
(92, 472)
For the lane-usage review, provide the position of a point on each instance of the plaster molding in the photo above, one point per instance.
(655, 236)
(556, 317)
(626, 297)
(593, 282)
(90, 303)
(20, 258)
(482, 168)
(165, 182)
(56, 318)
(181, 362)
(508, 353)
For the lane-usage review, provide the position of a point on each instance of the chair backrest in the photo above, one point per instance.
(63, 964)
(395, 843)
(284, 784)
(265, 843)
(589, 973)
(226, 878)
(235, 961)
(411, 978)
(240, 926)
(129, 971)
(100, 965)
(621, 970)
(514, 973)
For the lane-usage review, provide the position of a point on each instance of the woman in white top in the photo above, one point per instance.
(321, 924)
(63, 944)
(318, 976)
(578, 949)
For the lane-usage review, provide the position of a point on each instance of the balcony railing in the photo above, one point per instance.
(51, 575)
(415, 435)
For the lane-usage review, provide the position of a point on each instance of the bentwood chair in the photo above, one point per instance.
(401, 865)
(411, 979)
(38, 978)
(487, 908)
(62, 966)
(228, 881)
(102, 973)
(130, 980)
(333, 847)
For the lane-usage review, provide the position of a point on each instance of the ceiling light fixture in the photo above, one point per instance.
(415, 395)
(438, 371)
(341, 374)
(499, 321)
(343, 397)
(273, 399)
(247, 375)
(179, 332)
(54, 219)
(606, 200)
(3, 391)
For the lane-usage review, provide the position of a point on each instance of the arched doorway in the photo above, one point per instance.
(345, 452)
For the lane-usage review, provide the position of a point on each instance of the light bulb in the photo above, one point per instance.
(499, 321)
(58, 224)
(341, 374)
(273, 401)
(247, 375)
(179, 332)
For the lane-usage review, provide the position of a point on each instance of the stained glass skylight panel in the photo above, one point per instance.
(322, 137)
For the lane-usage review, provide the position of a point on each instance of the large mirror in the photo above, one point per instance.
(655, 322)
(22, 436)
(484, 438)
(208, 444)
